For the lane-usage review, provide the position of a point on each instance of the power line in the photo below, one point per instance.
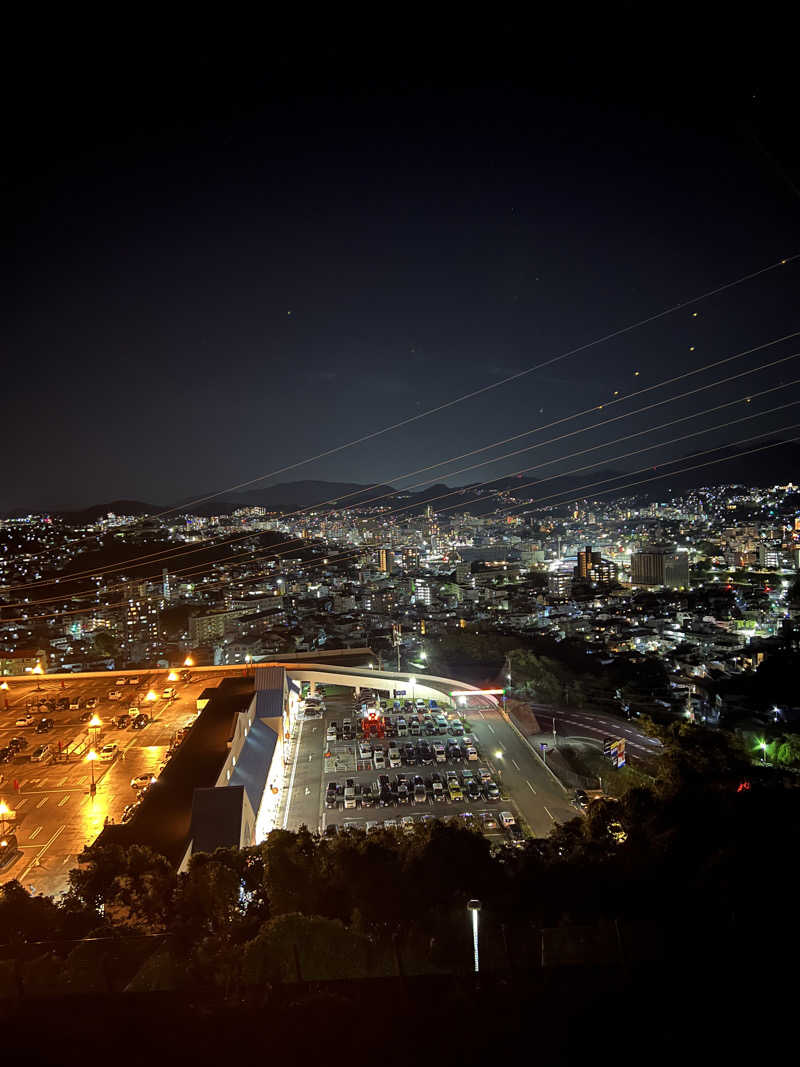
(167, 555)
(487, 388)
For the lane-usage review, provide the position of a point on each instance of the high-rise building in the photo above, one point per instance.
(660, 565)
(385, 560)
(586, 561)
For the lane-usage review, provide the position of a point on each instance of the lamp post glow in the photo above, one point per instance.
(172, 677)
(91, 757)
(188, 662)
(151, 696)
(37, 670)
(475, 906)
(4, 685)
(95, 724)
(5, 811)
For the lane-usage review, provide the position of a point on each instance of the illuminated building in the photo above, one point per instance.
(660, 565)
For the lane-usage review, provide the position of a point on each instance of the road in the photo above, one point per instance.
(594, 726)
(56, 815)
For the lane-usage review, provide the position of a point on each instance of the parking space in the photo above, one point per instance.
(403, 763)
(55, 811)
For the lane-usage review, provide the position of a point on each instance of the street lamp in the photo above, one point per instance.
(95, 723)
(188, 662)
(3, 685)
(151, 696)
(763, 746)
(37, 670)
(91, 758)
(475, 906)
(5, 811)
(172, 677)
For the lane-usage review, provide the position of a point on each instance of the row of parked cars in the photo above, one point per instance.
(487, 822)
(413, 789)
(411, 726)
(423, 753)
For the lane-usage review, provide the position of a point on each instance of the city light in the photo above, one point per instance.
(172, 677)
(151, 696)
(188, 662)
(3, 685)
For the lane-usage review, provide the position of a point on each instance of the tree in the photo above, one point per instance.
(788, 752)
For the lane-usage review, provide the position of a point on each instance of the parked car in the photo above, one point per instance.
(109, 751)
(506, 819)
(491, 790)
(74, 704)
(84, 716)
(91, 703)
(44, 725)
(24, 720)
(454, 790)
(425, 754)
(364, 750)
(489, 820)
(142, 781)
(114, 694)
(140, 721)
(121, 722)
(378, 759)
(40, 754)
(129, 812)
(330, 795)
(420, 796)
(17, 744)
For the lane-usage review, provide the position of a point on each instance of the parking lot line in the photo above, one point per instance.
(42, 802)
(63, 800)
(552, 816)
(530, 787)
(515, 763)
(34, 833)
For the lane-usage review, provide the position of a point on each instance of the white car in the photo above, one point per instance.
(364, 750)
(114, 694)
(24, 720)
(507, 819)
(40, 754)
(379, 760)
(394, 757)
(109, 751)
(330, 734)
(472, 752)
(122, 681)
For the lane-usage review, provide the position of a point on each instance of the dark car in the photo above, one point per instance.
(122, 722)
(581, 799)
(63, 703)
(402, 790)
(473, 790)
(330, 795)
(8, 850)
(6, 755)
(331, 830)
(453, 750)
(386, 797)
(491, 790)
(425, 754)
(516, 836)
(129, 812)
(140, 721)
(410, 755)
(43, 725)
(85, 716)
(17, 744)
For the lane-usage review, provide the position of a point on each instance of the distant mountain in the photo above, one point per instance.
(766, 466)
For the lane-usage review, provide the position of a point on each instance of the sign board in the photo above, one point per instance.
(400, 692)
(621, 752)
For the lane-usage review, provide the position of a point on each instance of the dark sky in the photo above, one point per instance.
(227, 257)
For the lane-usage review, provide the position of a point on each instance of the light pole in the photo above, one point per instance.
(95, 724)
(412, 682)
(475, 906)
(763, 746)
(37, 670)
(91, 757)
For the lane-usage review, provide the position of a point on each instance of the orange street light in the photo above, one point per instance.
(151, 696)
(91, 757)
(3, 685)
(188, 662)
(172, 677)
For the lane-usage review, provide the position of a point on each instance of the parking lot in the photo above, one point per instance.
(385, 771)
(53, 810)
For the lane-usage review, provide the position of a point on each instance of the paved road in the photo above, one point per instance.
(541, 799)
(594, 725)
(55, 814)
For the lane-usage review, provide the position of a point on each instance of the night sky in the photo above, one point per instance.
(225, 259)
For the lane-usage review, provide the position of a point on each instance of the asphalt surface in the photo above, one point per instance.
(593, 726)
(527, 788)
(55, 814)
